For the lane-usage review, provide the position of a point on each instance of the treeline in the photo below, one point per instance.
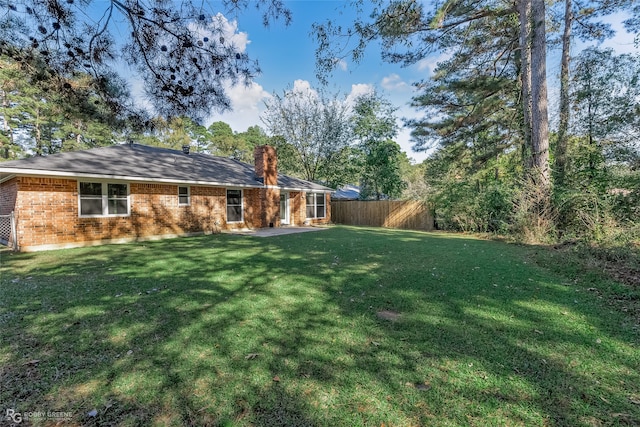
(509, 155)
(478, 178)
(322, 138)
(44, 113)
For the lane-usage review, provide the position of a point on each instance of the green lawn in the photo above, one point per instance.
(345, 327)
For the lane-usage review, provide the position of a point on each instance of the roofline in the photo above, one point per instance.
(58, 174)
(13, 172)
(312, 190)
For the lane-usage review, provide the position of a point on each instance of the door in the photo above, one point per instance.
(284, 208)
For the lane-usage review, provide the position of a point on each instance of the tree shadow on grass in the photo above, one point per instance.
(283, 331)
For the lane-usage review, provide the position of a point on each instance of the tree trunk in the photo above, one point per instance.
(524, 14)
(590, 115)
(539, 102)
(5, 126)
(563, 127)
(38, 134)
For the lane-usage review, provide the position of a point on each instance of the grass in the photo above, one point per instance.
(292, 330)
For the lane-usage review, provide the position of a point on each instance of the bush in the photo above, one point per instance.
(585, 214)
(534, 220)
(496, 206)
(468, 208)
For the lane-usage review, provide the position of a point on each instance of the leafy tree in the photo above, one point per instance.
(413, 174)
(223, 141)
(382, 175)
(288, 158)
(42, 116)
(85, 123)
(317, 128)
(171, 133)
(174, 133)
(345, 167)
(248, 140)
(486, 57)
(374, 127)
(487, 101)
(184, 51)
(199, 135)
(633, 22)
(606, 105)
(254, 136)
(466, 198)
(578, 19)
(12, 79)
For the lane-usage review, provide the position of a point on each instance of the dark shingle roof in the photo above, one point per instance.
(145, 163)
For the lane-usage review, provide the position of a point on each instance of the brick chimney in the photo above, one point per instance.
(266, 162)
(267, 171)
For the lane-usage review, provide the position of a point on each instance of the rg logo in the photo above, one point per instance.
(14, 416)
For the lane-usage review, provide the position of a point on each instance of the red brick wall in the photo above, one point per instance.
(38, 202)
(269, 212)
(296, 202)
(47, 212)
(298, 206)
(252, 207)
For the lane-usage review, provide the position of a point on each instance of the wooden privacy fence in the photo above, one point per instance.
(408, 214)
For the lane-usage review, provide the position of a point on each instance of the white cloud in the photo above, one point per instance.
(361, 89)
(247, 103)
(342, 64)
(393, 82)
(429, 64)
(303, 86)
(228, 30)
(358, 90)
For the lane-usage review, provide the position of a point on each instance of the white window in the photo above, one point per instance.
(90, 198)
(118, 199)
(316, 205)
(103, 199)
(184, 196)
(234, 205)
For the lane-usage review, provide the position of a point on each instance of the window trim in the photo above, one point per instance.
(104, 199)
(315, 205)
(188, 195)
(226, 200)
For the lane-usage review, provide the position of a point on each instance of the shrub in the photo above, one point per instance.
(473, 208)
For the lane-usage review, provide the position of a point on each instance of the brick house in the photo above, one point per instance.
(135, 192)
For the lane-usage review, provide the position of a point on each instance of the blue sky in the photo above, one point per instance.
(286, 55)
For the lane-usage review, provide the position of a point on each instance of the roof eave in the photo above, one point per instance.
(13, 172)
(63, 174)
(315, 190)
